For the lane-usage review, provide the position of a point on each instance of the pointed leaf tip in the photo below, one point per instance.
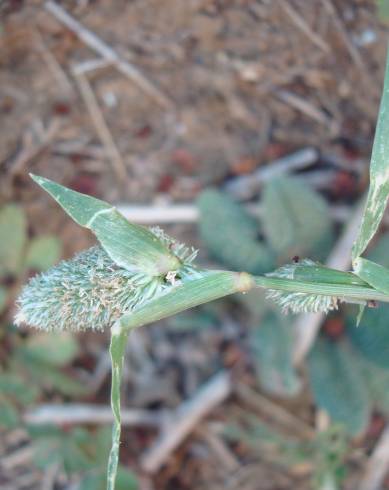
(130, 246)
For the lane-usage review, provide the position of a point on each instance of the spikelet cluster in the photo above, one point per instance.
(299, 302)
(90, 291)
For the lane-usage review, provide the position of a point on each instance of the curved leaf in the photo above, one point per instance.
(379, 176)
(130, 246)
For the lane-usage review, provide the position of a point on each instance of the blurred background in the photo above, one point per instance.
(243, 128)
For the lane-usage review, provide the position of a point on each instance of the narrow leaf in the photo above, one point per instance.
(130, 246)
(374, 274)
(117, 350)
(190, 293)
(379, 176)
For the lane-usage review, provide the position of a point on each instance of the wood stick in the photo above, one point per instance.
(185, 419)
(272, 410)
(79, 413)
(307, 108)
(102, 129)
(353, 51)
(246, 186)
(378, 464)
(189, 213)
(300, 22)
(95, 43)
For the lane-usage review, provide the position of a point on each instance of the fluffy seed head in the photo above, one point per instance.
(299, 302)
(91, 291)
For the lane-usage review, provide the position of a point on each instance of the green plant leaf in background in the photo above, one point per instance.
(43, 252)
(40, 358)
(379, 176)
(130, 246)
(371, 337)
(383, 10)
(337, 385)
(56, 349)
(3, 299)
(231, 234)
(296, 219)
(271, 344)
(377, 382)
(13, 233)
(69, 449)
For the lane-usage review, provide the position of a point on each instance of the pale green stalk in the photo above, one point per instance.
(117, 351)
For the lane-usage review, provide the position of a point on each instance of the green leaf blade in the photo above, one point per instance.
(379, 176)
(130, 246)
(374, 274)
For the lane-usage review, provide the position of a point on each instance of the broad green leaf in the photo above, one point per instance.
(9, 417)
(65, 448)
(379, 176)
(271, 345)
(337, 385)
(296, 219)
(17, 388)
(43, 252)
(3, 299)
(377, 382)
(13, 238)
(231, 234)
(130, 246)
(54, 349)
(46, 376)
(383, 10)
(125, 480)
(371, 337)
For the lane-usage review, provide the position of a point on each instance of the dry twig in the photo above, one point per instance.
(353, 51)
(185, 419)
(94, 42)
(272, 410)
(78, 413)
(300, 22)
(102, 128)
(307, 108)
(378, 464)
(30, 151)
(246, 186)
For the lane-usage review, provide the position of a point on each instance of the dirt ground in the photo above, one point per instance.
(164, 99)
